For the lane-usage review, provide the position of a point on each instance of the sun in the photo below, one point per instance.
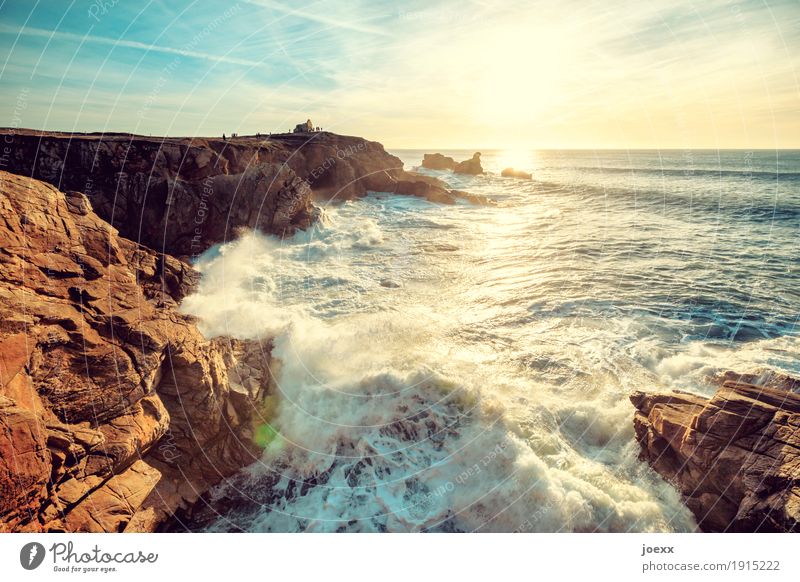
(522, 75)
(519, 159)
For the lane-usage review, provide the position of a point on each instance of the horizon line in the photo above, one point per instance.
(389, 147)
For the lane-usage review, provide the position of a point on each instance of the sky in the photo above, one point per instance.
(418, 74)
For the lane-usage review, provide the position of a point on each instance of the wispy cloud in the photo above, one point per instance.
(68, 36)
(320, 17)
(426, 73)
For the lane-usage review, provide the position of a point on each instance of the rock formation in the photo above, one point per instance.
(434, 192)
(438, 162)
(471, 166)
(114, 410)
(182, 195)
(512, 173)
(735, 457)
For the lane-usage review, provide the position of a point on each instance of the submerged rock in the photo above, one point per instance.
(471, 166)
(438, 162)
(512, 173)
(431, 192)
(735, 457)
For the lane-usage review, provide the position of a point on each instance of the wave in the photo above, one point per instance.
(690, 172)
(704, 363)
(467, 368)
(694, 205)
(383, 424)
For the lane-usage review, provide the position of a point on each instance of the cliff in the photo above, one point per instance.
(182, 195)
(114, 410)
(735, 457)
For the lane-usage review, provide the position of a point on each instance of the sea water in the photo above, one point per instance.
(467, 368)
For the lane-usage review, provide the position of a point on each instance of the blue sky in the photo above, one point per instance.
(415, 74)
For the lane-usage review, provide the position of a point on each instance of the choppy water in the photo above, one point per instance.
(467, 368)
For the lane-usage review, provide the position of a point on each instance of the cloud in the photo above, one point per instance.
(69, 36)
(549, 73)
(321, 18)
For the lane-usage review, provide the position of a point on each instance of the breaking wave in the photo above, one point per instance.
(467, 368)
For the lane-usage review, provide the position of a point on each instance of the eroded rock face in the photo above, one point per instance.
(175, 195)
(735, 457)
(470, 166)
(181, 195)
(107, 393)
(438, 162)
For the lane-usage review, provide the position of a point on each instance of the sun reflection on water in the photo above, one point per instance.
(518, 159)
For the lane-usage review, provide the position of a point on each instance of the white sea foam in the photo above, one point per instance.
(701, 362)
(400, 428)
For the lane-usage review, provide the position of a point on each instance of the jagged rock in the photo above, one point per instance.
(181, 196)
(105, 389)
(116, 412)
(430, 192)
(512, 173)
(471, 166)
(735, 457)
(203, 384)
(438, 162)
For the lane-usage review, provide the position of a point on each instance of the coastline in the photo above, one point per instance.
(137, 456)
(180, 417)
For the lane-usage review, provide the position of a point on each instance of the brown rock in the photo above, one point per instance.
(101, 378)
(734, 457)
(177, 195)
(183, 195)
(430, 192)
(434, 190)
(115, 412)
(438, 162)
(471, 166)
(24, 465)
(109, 508)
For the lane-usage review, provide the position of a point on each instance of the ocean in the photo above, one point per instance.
(467, 368)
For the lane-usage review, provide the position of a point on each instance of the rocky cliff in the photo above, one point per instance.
(114, 410)
(182, 195)
(735, 457)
